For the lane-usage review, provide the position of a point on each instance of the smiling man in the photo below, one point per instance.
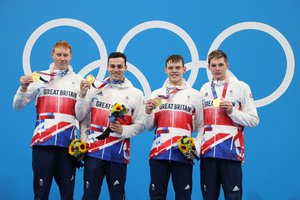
(109, 156)
(173, 111)
(228, 107)
(54, 92)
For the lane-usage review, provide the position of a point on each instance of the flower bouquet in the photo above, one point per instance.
(116, 111)
(77, 149)
(187, 146)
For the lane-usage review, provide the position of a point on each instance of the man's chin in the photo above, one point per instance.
(115, 78)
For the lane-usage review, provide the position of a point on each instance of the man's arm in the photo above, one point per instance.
(84, 101)
(137, 125)
(25, 93)
(247, 116)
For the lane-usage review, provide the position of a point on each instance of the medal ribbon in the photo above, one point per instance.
(213, 89)
(52, 74)
(108, 81)
(168, 93)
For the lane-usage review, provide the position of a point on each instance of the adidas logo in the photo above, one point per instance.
(116, 182)
(187, 187)
(152, 187)
(236, 188)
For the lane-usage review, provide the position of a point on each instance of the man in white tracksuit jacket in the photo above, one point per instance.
(228, 107)
(109, 157)
(179, 115)
(54, 91)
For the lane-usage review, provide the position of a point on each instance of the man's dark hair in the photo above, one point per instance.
(217, 54)
(175, 58)
(117, 55)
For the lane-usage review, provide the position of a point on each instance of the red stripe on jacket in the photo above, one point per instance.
(54, 104)
(217, 116)
(100, 117)
(162, 148)
(91, 147)
(43, 136)
(180, 119)
(207, 145)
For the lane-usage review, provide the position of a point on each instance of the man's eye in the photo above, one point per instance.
(119, 66)
(112, 66)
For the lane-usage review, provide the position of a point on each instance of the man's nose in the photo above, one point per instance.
(218, 67)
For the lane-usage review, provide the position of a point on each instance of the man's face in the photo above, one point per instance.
(116, 68)
(175, 71)
(61, 58)
(218, 68)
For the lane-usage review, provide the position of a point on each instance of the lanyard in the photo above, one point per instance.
(213, 89)
(168, 93)
(108, 81)
(52, 74)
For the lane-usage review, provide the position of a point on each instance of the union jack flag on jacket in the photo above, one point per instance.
(223, 134)
(96, 107)
(55, 99)
(180, 114)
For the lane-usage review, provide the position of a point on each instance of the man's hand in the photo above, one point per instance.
(25, 81)
(84, 87)
(149, 106)
(191, 154)
(116, 127)
(227, 105)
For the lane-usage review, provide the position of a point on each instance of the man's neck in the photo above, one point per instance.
(220, 79)
(122, 79)
(179, 83)
(60, 69)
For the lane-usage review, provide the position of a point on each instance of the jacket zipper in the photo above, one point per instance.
(170, 154)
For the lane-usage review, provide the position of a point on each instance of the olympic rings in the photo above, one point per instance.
(194, 65)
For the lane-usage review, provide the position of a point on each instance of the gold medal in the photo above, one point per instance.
(90, 78)
(35, 76)
(158, 101)
(216, 103)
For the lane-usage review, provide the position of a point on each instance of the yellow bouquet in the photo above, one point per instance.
(186, 145)
(116, 111)
(77, 148)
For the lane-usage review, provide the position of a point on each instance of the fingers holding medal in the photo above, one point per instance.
(152, 104)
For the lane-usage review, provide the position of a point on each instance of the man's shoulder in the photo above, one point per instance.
(76, 76)
(240, 83)
(137, 90)
(133, 91)
(158, 91)
(205, 86)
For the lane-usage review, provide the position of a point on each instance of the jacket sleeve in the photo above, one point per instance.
(149, 118)
(247, 116)
(21, 99)
(137, 125)
(84, 126)
(83, 106)
(199, 125)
